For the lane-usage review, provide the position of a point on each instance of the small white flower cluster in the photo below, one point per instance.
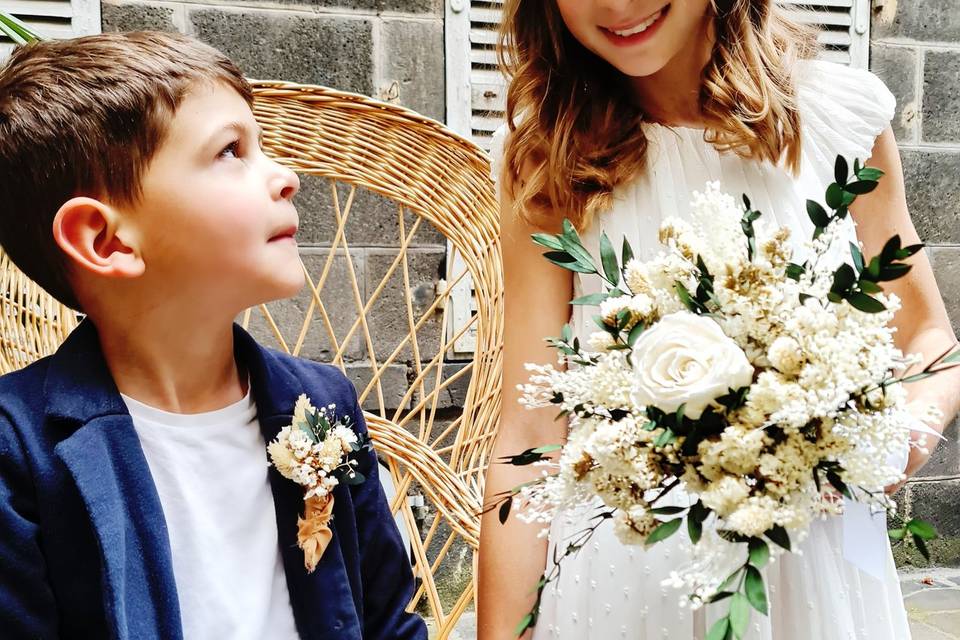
(819, 395)
(306, 459)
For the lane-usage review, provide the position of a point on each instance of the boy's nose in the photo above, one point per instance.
(286, 183)
(291, 184)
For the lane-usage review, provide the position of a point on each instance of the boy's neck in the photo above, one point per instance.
(176, 366)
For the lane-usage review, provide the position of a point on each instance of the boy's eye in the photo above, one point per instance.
(231, 150)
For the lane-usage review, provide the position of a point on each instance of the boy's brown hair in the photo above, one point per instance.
(84, 117)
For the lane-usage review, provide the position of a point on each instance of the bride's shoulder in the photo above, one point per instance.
(843, 109)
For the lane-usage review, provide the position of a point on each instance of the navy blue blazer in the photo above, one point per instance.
(84, 551)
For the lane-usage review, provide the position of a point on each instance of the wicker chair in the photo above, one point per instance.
(437, 183)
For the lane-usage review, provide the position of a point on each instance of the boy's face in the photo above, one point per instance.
(216, 219)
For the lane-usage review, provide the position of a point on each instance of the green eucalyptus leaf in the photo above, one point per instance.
(591, 300)
(779, 536)
(664, 531)
(869, 173)
(834, 196)
(756, 591)
(759, 553)
(739, 614)
(667, 511)
(868, 286)
(861, 187)
(523, 625)
(857, 257)
(504, 512)
(547, 240)
(626, 253)
(921, 528)
(841, 170)
(719, 630)
(818, 214)
(608, 259)
(865, 303)
(635, 333)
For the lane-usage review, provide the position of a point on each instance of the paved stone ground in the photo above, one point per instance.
(933, 603)
(932, 598)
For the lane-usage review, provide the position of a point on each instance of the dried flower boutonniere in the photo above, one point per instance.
(317, 451)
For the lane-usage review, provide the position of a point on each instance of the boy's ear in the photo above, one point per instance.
(88, 231)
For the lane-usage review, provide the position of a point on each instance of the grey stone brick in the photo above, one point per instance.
(897, 67)
(135, 16)
(392, 386)
(933, 194)
(269, 45)
(946, 267)
(453, 395)
(936, 503)
(373, 220)
(388, 315)
(338, 298)
(945, 460)
(930, 20)
(941, 96)
(413, 60)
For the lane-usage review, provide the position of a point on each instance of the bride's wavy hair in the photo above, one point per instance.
(579, 134)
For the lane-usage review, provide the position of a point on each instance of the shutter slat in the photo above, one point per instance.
(822, 18)
(53, 18)
(843, 4)
(483, 36)
(44, 8)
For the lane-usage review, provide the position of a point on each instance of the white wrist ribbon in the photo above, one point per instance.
(865, 532)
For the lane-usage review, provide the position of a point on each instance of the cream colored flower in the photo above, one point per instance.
(300, 410)
(785, 355)
(282, 458)
(686, 359)
(600, 341)
(634, 526)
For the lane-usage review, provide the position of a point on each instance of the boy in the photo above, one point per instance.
(136, 499)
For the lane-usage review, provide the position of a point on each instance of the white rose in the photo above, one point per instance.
(687, 359)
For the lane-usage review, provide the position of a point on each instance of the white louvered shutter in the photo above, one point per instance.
(475, 88)
(53, 18)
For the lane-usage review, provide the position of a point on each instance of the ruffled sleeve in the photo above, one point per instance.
(843, 111)
(497, 143)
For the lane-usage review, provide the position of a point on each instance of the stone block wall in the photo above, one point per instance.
(916, 50)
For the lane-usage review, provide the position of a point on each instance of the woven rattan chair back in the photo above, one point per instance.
(397, 214)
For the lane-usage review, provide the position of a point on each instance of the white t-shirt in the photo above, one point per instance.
(210, 470)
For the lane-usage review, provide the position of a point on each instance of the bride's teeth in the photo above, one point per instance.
(643, 26)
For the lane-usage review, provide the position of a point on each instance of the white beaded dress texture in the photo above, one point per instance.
(611, 591)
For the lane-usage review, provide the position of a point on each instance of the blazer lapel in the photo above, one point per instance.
(102, 453)
(323, 601)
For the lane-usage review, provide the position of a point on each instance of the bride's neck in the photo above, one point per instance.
(672, 95)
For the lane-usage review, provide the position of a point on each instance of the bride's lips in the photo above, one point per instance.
(638, 31)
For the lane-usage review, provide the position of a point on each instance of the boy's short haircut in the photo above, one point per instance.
(84, 117)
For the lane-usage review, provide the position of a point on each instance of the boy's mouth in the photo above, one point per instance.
(288, 233)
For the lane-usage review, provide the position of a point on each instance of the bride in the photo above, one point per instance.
(619, 109)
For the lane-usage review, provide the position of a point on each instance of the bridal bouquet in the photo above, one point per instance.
(757, 388)
(317, 451)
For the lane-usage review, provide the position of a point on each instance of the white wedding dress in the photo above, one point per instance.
(611, 591)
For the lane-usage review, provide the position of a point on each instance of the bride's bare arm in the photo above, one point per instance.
(512, 557)
(922, 324)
